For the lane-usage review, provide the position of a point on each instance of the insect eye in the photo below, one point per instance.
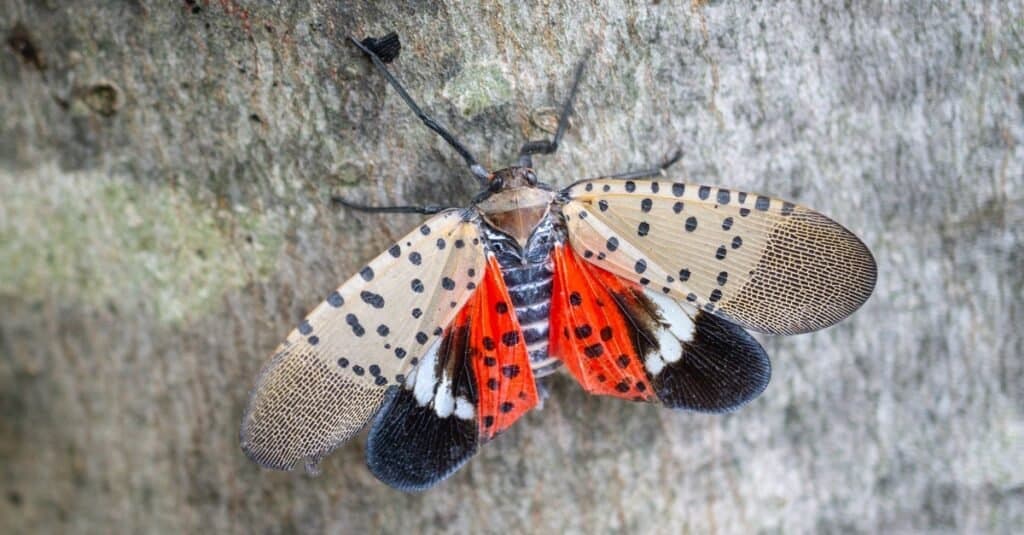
(497, 183)
(531, 177)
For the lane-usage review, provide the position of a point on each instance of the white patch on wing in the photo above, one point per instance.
(653, 363)
(673, 315)
(669, 350)
(426, 381)
(444, 401)
(463, 408)
(429, 389)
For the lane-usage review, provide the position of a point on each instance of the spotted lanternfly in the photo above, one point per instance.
(639, 286)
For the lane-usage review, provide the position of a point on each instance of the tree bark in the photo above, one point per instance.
(165, 173)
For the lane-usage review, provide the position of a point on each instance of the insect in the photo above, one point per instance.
(640, 287)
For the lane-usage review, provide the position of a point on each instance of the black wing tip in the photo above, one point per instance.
(402, 478)
(722, 369)
(411, 449)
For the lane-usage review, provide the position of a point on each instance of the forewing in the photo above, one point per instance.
(329, 377)
(763, 263)
(471, 385)
(621, 339)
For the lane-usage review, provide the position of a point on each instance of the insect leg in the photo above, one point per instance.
(481, 174)
(650, 172)
(426, 210)
(549, 146)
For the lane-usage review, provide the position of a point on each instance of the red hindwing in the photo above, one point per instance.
(589, 332)
(504, 382)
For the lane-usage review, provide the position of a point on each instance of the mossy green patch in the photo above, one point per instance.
(477, 88)
(97, 240)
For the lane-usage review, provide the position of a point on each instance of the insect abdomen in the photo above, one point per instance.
(529, 286)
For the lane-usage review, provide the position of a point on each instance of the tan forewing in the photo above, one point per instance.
(766, 264)
(328, 378)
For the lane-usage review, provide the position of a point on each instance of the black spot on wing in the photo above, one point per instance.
(721, 369)
(410, 448)
(372, 299)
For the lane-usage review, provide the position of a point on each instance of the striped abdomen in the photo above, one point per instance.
(527, 273)
(529, 287)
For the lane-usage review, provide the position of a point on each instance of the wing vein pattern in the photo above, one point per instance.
(766, 264)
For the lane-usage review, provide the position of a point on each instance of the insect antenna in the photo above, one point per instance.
(481, 174)
(549, 146)
(426, 210)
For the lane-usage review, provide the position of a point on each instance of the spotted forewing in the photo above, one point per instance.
(763, 263)
(328, 379)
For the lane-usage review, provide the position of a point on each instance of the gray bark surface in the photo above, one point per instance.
(165, 169)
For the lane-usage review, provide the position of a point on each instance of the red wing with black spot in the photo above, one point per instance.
(589, 332)
(620, 339)
(473, 383)
(505, 383)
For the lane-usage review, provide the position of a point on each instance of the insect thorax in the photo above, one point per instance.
(517, 205)
(527, 271)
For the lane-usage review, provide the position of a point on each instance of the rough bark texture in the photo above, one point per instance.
(164, 175)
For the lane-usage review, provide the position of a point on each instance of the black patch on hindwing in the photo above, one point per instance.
(410, 447)
(721, 369)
